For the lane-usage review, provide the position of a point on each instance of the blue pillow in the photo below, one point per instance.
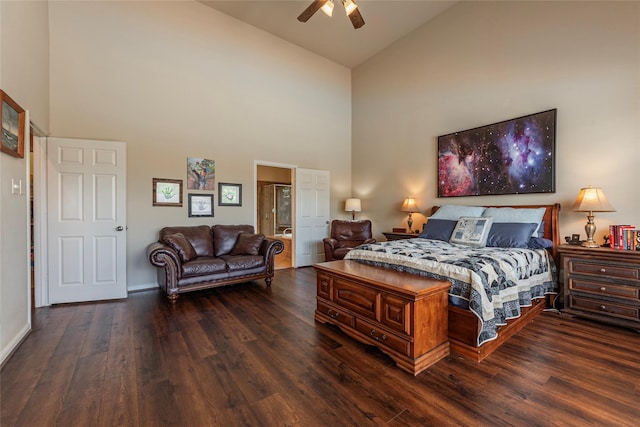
(510, 234)
(438, 229)
(540, 243)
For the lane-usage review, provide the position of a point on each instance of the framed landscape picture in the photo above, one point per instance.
(167, 192)
(12, 117)
(515, 156)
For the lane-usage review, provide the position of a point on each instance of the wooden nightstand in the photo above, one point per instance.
(602, 284)
(399, 236)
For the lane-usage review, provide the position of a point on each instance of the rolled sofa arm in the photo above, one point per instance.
(169, 266)
(269, 249)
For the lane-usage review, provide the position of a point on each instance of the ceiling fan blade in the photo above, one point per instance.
(356, 19)
(309, 11)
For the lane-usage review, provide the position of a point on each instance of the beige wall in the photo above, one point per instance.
(178, 79)
(24, 77)
(483, 62)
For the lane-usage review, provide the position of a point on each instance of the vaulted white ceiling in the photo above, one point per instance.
(334, 38)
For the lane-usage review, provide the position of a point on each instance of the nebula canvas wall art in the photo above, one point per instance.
(516, 156)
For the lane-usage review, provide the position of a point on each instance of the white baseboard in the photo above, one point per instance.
(14, 344)
(143, 287)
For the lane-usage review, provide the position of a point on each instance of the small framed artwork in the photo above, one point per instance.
(229, 194)
(167, 192)
(200, 205)
(12, 117)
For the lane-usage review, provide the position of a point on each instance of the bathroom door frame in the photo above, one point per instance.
(292, 171)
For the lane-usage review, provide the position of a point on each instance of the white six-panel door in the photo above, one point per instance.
(312, 215)
(86, 196)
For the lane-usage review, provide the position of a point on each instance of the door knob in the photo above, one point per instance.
(119, 228)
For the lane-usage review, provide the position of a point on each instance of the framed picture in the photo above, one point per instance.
(515, 156)
(167, 192)
(229, 194)
(200, 205)
(12, 117)
(201, 174)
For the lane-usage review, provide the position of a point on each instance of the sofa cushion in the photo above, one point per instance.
(248, 244)
(199, 236)
(181, 245)
(202, 266)
(225, 237)
(243, 262)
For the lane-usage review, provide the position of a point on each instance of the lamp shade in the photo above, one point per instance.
(352, 205)
(592, 200)
(409, 205)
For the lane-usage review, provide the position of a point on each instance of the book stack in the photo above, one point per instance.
(625, 237)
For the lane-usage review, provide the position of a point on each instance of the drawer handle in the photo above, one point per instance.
(377, 338)
(603, 307)
(603, 289)
(603, 270)
(333, 314)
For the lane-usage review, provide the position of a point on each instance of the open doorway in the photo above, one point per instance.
(274, 209)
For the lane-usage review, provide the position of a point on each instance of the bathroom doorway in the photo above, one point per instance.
(275, 209)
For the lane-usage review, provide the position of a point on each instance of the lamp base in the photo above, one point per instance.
(590, 244)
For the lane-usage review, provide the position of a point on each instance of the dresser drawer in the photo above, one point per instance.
(385, 339)
(620, 311)
(599, 268)
(359, 299)
(396, 313)
(631, 293)
(336, 314)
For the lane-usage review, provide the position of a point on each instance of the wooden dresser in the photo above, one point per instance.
(602, 284)
(403, 315)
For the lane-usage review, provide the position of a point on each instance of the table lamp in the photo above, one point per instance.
(353, 206)
(591, 200)
(409, 205)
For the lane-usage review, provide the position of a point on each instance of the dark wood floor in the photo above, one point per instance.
(245, 355)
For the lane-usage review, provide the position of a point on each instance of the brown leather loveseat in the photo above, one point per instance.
(197, 257)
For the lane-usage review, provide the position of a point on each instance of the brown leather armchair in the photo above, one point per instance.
(346, 235)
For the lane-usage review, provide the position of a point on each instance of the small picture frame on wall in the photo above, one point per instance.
(229, 194)
(167, 192)
(12, 117)
(200, 205)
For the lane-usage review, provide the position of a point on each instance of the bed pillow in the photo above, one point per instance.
(540, 243)
(510, 234)
(523, 215)
(455, 212)
(471, 231)
(181, 245)
(438, 229)
(247, 244)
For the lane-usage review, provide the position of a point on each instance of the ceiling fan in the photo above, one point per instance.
(327, 7)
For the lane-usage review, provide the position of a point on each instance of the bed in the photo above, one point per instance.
(479, 323)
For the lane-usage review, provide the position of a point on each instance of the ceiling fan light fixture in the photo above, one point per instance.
(327, 8)
(349, 6)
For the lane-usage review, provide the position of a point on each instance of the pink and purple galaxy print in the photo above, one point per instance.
(511, 157)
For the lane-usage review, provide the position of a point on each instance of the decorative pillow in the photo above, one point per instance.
(455, 212)
(539, 243)
(180, 244)
(438, 229)
(471, 231)
(510, 234)
(247, 244)
(523, 215)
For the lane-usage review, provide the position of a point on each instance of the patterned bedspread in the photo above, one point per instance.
(496, 282)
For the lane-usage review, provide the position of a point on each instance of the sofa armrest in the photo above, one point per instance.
(160, 255)
(368, 241)
(269, 249)
(330, 243)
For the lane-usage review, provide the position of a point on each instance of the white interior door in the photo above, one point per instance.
(86, 192)
(312, 215)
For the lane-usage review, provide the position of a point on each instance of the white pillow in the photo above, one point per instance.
(454, 212)
(472, 231)
(525, 215)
